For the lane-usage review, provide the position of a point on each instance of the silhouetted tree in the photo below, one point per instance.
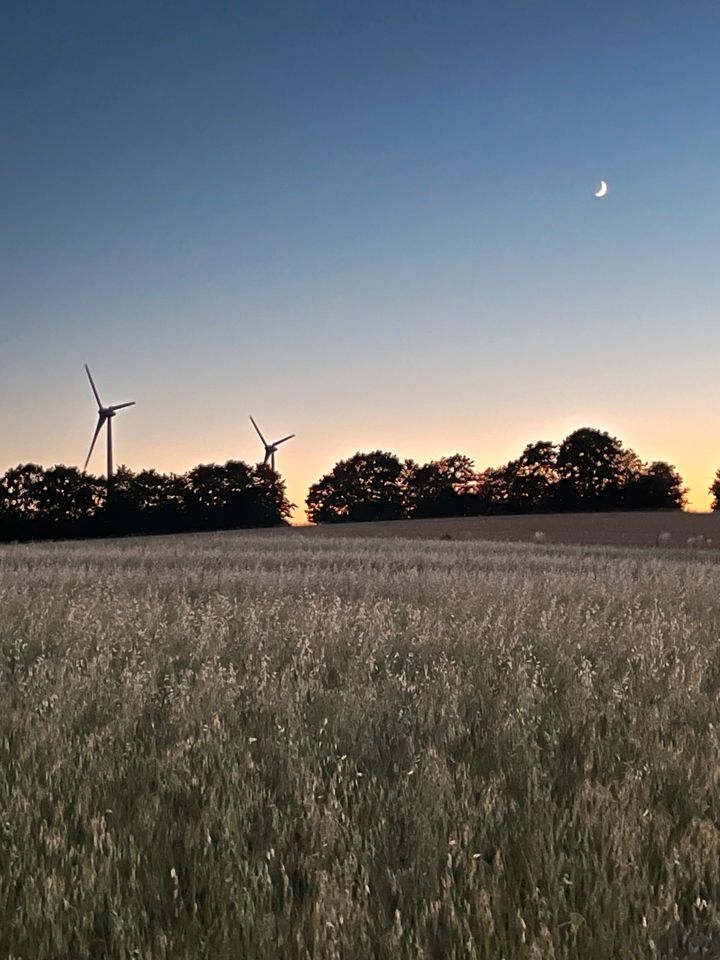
(63, 502)
(368, 486)
(154, 492)
(657, 487)
(246, 495)
(39, 503)
(495, 487)
(118, 493)
(145, 502)
(273, 502)
(715, 491)
(206, 489)
(68, 495)
(235, 495)
(532, 479)
(21, 492)
(442, 488)
(593, 468)
(589, 471)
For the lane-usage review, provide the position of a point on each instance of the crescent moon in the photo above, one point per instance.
(602, 189)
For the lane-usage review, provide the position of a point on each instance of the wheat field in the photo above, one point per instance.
(230, 746)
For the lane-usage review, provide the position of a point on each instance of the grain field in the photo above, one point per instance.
(262, 747)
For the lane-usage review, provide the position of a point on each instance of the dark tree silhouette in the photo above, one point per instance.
(368, 486)
(593, 468)
(68, 495)
(272, 498)
(657, 487)
(145, 502)
(63, 502)
(442, 488)
(252, 496)
(494, 484)
(235, 495)
(206, 489)
(36, 503)
(531, 480)
(119, 492)
(21, 492)
(152, 492)
(589, 471)
(715, 491)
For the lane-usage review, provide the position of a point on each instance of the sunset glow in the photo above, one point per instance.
(368, 228)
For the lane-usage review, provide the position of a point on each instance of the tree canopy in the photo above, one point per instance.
(442, 488)
(593, 468)
(64, 502)
(589, 470)
(368, 486)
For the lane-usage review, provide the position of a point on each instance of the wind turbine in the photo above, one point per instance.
(105, 416)
(270, 448)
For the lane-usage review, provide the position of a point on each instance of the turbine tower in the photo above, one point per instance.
(105, 416)
(270, 448)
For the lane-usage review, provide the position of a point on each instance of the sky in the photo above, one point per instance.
(372, 225)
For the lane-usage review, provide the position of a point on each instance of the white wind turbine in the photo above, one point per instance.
(270, 448)
(105, 416)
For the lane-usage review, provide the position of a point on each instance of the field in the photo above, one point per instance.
(262, 746)
(637, 528)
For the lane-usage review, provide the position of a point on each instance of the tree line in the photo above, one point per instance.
(589, 471)
(64, 502)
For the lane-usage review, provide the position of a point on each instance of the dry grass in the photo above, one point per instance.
(299, 747)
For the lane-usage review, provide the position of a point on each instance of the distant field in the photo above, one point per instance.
(296, 747)
(619, 529)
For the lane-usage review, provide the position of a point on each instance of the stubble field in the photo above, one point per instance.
(631, 528)
(299, 747)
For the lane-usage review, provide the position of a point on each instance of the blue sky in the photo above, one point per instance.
(371, 224)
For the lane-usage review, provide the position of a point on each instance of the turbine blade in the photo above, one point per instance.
(257, 428)
(98, 428)
(278, 442)
(94, 388)
(121, 406)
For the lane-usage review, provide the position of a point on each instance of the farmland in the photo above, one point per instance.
(620, 529)
(300, 745)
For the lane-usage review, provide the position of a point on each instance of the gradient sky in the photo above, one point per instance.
(368, 223)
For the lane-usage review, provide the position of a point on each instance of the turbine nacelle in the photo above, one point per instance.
(270, 448)
(107, 412)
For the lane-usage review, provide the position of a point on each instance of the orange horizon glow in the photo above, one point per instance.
(300, 469)
(697, 477)
(177, 425)
(428, 273)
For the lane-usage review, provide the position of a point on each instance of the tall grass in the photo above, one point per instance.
(284, 747)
